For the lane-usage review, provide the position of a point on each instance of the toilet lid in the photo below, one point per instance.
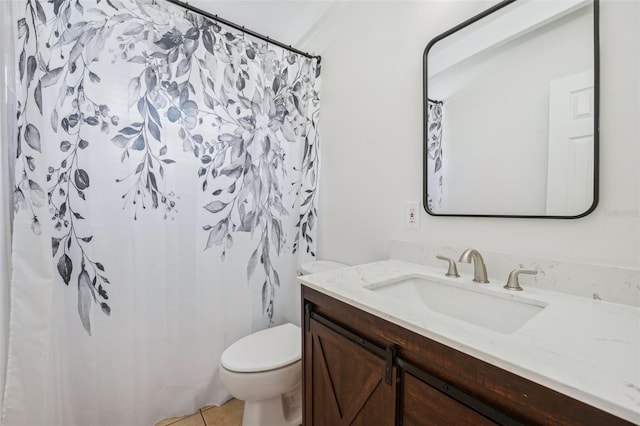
(264, 350)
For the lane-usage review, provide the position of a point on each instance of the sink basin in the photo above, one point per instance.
(482, 307)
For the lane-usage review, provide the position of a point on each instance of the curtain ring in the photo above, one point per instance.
(267, 42)
(186, 11)
(243, 33)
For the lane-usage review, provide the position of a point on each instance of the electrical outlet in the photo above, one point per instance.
(411, 216)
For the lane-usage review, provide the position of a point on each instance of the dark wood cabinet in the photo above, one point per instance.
(348, 386)
(359, 369)
(424, 405)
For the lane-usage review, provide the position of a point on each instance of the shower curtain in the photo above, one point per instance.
(6, 144)
(435, 193)
(165, 193)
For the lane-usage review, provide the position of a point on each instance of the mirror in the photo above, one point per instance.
(511, 112)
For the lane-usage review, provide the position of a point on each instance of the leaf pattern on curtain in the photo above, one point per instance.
(232, 102)
(434, 154)
(28, 194)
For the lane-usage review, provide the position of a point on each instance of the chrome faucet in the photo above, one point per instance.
(479, 268)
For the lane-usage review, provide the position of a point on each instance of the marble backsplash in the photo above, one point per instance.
(609, 283)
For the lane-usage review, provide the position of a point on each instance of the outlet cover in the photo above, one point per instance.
(411, 216)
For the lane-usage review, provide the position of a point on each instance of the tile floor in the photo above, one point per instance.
(228, 414)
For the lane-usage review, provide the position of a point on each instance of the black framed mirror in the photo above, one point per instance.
(511, 110)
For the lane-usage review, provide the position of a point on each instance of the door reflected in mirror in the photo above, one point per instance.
(511, 112)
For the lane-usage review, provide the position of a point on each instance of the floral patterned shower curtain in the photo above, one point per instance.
(435, 192)
(166, 172)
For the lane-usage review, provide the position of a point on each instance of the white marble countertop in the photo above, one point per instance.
(587, 349)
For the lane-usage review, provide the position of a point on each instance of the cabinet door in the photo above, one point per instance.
(344, 383)
(424, 405)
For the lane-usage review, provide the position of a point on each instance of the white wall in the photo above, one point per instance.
(372, 140)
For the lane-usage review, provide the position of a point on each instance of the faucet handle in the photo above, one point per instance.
(513, 283)
(453, 270)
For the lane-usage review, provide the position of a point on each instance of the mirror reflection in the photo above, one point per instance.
(511, 116)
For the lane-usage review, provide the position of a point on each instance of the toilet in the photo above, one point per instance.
(264, 369)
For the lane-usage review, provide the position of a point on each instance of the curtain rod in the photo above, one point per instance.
(241, 28)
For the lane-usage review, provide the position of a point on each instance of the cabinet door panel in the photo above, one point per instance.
(347, 382)
(424, 405)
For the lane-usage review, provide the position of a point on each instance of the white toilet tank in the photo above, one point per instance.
(320, 266)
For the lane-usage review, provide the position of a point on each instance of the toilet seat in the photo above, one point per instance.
(264, 350)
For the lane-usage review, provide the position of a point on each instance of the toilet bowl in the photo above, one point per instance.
(264, 369)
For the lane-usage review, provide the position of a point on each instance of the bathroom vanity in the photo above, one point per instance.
(375, 352)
